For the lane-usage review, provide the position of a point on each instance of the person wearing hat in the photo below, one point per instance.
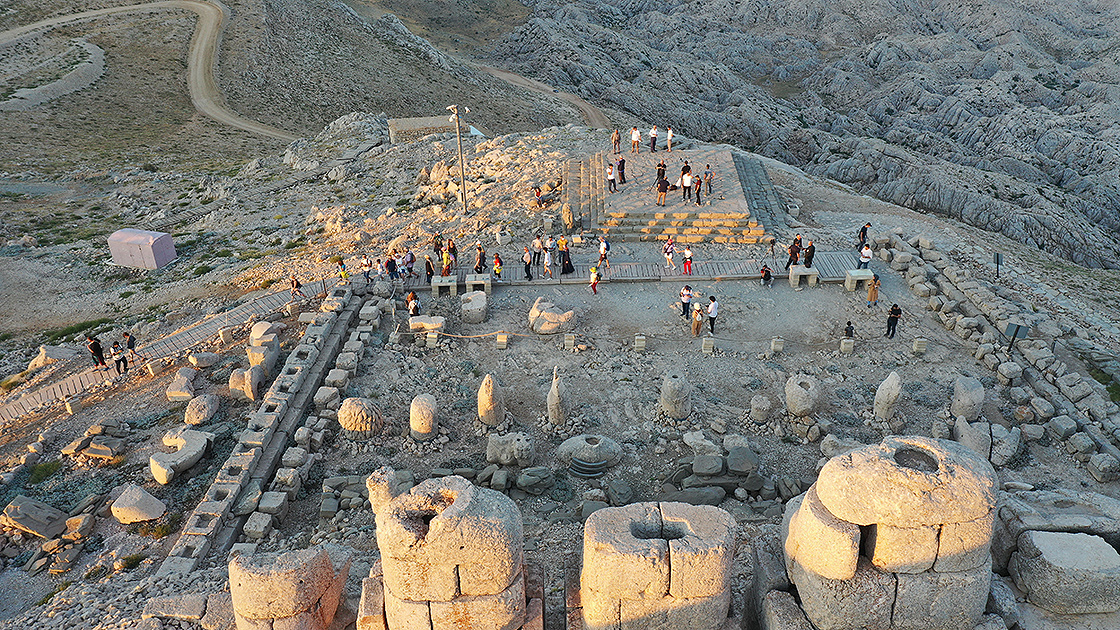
(595, 280)
(697, 319)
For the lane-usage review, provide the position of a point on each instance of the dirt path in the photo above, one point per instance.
(591, 114)
(205, 95)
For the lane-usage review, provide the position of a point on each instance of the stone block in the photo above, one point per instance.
(33, 517)
(1061, 427)
(406, 614)
(258, 526)
(180, 390)
(779, 611)
(264, 356)
(136, 505)
(935, 601)
(336, 378)
(190, 607)
(327, 397)
(821, 542)
(865, 601)
(852, 278)
(1067, 573)
(700, 613)
(964, 546)
(1103, 467)
(624, 556)
(701, 549)
(274, 503)
(280, 586)
(371, 607)
(503, 611)
(474, 307)
(902, 549)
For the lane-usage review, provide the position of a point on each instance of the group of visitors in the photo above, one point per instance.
(120, 353)
(800, 254)
(549, 252)
(693, 309)
(669, 251)
(636, 140)
(690, 184)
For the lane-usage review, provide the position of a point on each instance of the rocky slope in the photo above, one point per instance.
(999, 114)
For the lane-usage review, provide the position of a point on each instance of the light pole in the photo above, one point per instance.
(454, 109)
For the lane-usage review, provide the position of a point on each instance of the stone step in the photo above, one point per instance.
(697, 231)
(675, 214)
(699, 223)
(686, 238)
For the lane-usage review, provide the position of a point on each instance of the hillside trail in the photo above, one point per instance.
(205, 95)
(592, 115)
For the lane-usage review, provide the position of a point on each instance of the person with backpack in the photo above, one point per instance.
(410, 262)
(604, 247)
(343, 275)
(391, 267)
(497, 267)
(413, 304)
(697, 319)
(366, 266)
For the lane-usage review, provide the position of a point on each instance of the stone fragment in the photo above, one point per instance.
(557, 405)
(425, 323)
(511, 449)
(360, 416)
(742, 460)
(964, 546)
(802, 394)
(976, 436)
(546, 319)
(473, 307)
(200, 409)
(589, 448)
(821, 543)
(887, 395)
(34, 517)
(936, 601)
(422, 422)
(968, 398)
(204, 359)
(244, 384)
(1005, 444)
(51, 354)
(760, 408)
(902, 549)
(779, 611)
(701, 445)
(1067, 573)
(296, 589)
(180, 389)
(491, 402)
(136, 505)
(832, 445)
(676, 396)
(1103, 467)
(862, 602)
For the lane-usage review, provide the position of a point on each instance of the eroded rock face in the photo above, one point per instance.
(422, 417)
(200, 409)
(511, 449)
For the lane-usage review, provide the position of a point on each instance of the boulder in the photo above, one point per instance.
(511, 449)
(491, 402)
(180, 389)
(968, 398)
(546, 319)
(200, 409)
(473, 307)
(802, 395)
(422, 422)
(136, 505)
(701, 445)
(204, 359)
(832, 445)
(887, 395)
(1005, 444)
(676, 396)
(52, 354)
(189, 445)
(263, 329)
(977, 436)
(1067, 573)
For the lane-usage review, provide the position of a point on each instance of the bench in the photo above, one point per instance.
(853, 277)
(797, 272)
(451, 282)
(477, 282)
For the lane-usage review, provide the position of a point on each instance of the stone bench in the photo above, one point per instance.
(853, 277)
(451, 282)
(477, 282)
(797, 272)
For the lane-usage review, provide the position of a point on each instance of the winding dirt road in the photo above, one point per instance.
(591, 114)
(205, 95)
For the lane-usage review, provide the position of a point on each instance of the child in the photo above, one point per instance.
(595, 280)
(413, 304)
(344, 276)
(497, 267)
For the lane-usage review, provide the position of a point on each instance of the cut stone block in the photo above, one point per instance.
(474, 307)
(503, 611)
(701, 548)
(903, 549)
(964, 546)
(1067, 573)
(936, 601)
(624, 556)
(820, 542)
(136, 505)
(34, 517)
(862, 602)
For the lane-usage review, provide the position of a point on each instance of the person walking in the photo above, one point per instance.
(445, 268)
(893, 316)
(660, 171)
(653, 139)
(437, 245)
(616, 140)
(527, 258)
(497, 267)
(604, 249)
(767, 276)
(611, 187)
(662, 190)
(93, 344)
(548, 263)
(391, 267)
(668, 250)
(366, 266)
(537, 246)
(686, 265)
(479, 258)
(810, 251)
(696, 185)
(686, 300)
(429, 269)
(864, 257)
(863, 235)
(708, 177)
(697, 319)
(295, 286)
(713, 312)
(669, 139)
(120, 358)
(873, 291)
(410, 263)
(130, 346)
(686, 186)
(621, 165)
(635, 140)
(343, 275)
(595, 280)
(794, 251)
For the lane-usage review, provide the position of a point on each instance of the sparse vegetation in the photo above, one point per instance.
(75, 329)
(40, 472)
(130, 562)
(168, 524)
(58, 589)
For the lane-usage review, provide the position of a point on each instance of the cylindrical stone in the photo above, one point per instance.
(422, 417)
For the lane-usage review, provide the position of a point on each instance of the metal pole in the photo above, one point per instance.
(462, 165)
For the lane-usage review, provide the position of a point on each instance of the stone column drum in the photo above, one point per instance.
(657, 565)
(894, 536)
(450, 555)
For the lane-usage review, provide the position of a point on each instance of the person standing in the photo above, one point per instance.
(343, 275)
(873, 291)
(565, 256)
(863, 235)
(130, 346)
(93, 344)
(437, 245)
(660, 170)
(595, 280)
(537, 247)
(767, 276)
(794, 251)
(429, 269)
(479, 258)
(366, 266)
(604, 248)
(616, 139)
(527, 258)
(685, 168)
(697, 319)
(454, 251)
(548, 263)
(696, 185)
(120, 358)
(391, 267)
(497, 267)
(893, 316)
(669, 139)
(810, 251)
(653, 139)
(410, 262)
(445, 269)
(635, 140)
(686, 300)
(295, 286)
(611, 187)
(708, 177)
(413, 303)
(662, 189)
(686, 265)
(668, 250)
(713, 312)
(686, 186)
(621, 164)
(864, 257)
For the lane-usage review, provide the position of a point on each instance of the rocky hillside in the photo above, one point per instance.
(1003, 115)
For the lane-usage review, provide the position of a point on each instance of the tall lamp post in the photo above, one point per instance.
(454, 109)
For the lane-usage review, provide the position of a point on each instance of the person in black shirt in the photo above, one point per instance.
(662, 188)
(794, 250)
(863, 235)
(849, 330)
(810, 251)
(767, 276)
(97, 351)
(892, 320)
(429, 269)
(660, 172)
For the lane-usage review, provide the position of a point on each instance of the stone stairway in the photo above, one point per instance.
(763, 200)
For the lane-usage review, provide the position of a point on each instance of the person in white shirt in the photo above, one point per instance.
(367, 267)
(669, 139)
(635, 140)
(713, 311)
(686, 186)
(653, 139)
(604, 247)
(864, 257)
(611, 187)
(537, 247)
(686, 299)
